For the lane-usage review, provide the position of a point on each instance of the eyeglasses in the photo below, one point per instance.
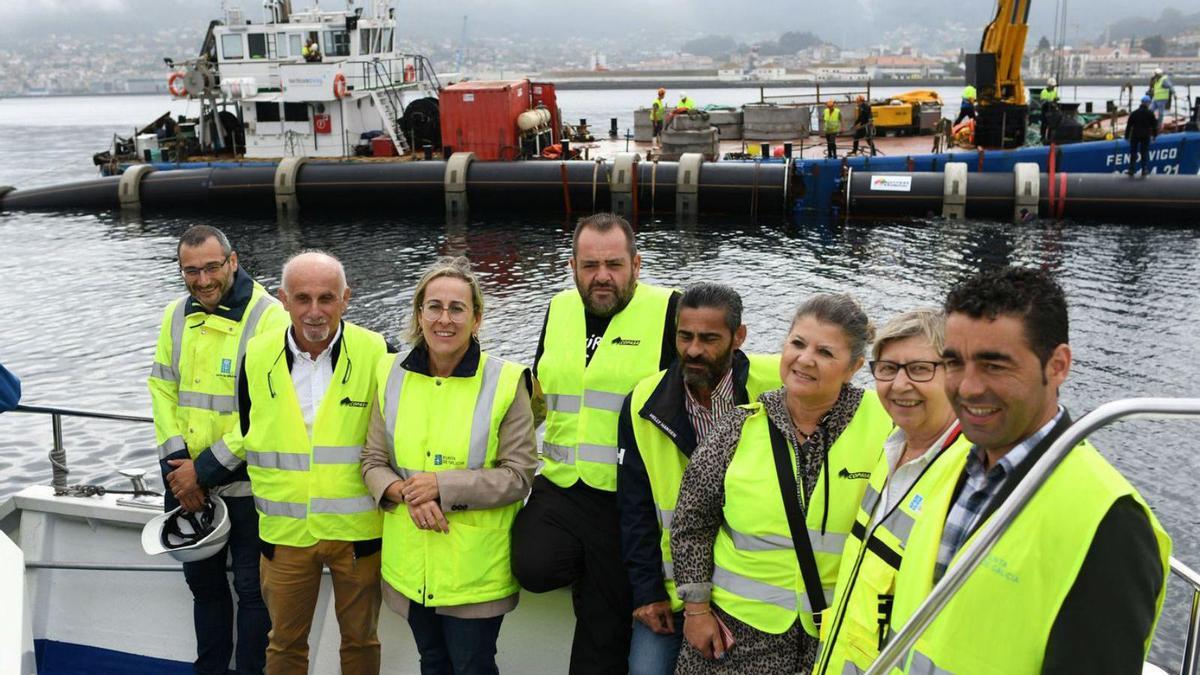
(432, 311)
(917, 371)
(210, 268)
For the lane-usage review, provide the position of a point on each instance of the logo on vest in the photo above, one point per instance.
(625, 343)
(915, 503)
(353, 404)
(855, 475)
(437, 459)
(226, 366)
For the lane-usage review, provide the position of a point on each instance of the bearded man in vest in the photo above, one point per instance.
(304, 402)
(662, 421)
(1076, 584)
(192, 391)
(599, 340)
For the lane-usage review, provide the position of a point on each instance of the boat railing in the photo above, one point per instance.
(1145, 408)
(58, 453)
(817, 97)
(400, 71)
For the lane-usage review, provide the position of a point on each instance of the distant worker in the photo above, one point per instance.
(193, 393)
(1140, 129)
(864, 126)
(1161, 92)
(657, 112)
(311, 51)
(1050, 113)
(831, 127)
(685, 102)
(967, 107)
(10, 390)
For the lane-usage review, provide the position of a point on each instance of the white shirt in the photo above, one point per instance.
(902, 478)
(311, 377)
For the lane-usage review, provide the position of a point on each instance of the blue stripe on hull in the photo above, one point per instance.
(1177, 153)
(65, 658)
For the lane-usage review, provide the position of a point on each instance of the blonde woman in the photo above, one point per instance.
(450, 457)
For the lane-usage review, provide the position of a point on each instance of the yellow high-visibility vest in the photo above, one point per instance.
(583, 398)
(306, 488)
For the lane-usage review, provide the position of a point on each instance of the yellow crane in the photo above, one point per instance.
(995, 72)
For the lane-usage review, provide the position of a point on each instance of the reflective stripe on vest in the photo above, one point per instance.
(665, 463)
(215, 403)
(172, 444)
(756, 542)
(224, 456)
(583, 398)
(424, 415)
(310, 488)
(1019, 589)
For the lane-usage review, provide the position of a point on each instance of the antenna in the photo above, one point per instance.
(462, 46)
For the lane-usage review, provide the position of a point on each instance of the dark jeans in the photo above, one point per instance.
(212, 603)
(831, 145)
(1139, 146)
(572, 537)
(652, 653)
(964, 113)
(452, 646)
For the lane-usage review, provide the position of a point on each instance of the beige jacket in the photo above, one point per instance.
(462, 489)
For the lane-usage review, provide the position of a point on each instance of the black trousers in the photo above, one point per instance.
(831, 145)
(1139, 146)
(572, 537)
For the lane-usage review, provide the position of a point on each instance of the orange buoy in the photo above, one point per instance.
(339, 86)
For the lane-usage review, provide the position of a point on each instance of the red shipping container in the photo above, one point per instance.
(481, 117)
(382, 146)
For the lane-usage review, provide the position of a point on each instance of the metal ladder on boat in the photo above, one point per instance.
(898, 648)
(390, 103)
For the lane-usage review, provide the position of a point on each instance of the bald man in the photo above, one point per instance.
(304, 402)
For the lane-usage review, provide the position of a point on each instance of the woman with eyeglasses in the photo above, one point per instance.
(769, 498)
(910, 379)
(449, 457)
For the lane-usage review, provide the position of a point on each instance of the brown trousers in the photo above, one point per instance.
(290, 582)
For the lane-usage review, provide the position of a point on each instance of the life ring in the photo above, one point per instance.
(552, 151)
(176, 87)
(410, 73)
(339, 86)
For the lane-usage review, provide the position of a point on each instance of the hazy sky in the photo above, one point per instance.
(857, 22)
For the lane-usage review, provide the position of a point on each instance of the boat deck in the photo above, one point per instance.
(807, 147)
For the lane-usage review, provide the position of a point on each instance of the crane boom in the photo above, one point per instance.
(995, 72)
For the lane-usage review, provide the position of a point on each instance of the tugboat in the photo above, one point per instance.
(315, 83)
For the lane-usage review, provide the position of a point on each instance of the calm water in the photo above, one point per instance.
(81, 296)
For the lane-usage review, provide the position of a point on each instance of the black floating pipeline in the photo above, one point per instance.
(459, 185)
(1023, 195)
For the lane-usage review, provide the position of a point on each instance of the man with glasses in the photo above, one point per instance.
(193, 385)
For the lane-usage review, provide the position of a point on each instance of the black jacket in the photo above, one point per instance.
(640, 534)
(1141, 125)
(1109, 612)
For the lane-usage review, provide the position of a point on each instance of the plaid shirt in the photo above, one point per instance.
(979, 489)
(702, 418)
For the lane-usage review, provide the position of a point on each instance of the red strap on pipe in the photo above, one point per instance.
(566, 188)
(1062, 194)
(980, 168)
(1050, 181)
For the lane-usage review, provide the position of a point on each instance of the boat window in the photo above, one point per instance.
(258, 45)
(337, 43)
(386, 42)
(231, 46)
(365, 36)
(295, 112)
(266, 112)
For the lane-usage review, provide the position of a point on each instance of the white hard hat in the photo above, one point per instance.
(1052, 82)
(683, 94)
(187, 536)
(1158, 71)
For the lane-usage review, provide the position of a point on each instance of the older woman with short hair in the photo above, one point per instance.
(769, 498)
(452, 440)
(910, 379)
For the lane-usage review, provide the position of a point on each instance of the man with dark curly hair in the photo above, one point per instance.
(1076, 584)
